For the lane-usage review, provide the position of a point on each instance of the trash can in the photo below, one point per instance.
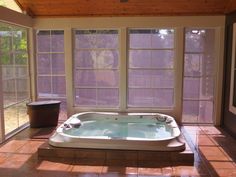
(43, 113)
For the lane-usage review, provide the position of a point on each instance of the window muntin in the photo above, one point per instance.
(50, 64)
(199, 76)
(15, 77)
(96, 68)
(151, 68)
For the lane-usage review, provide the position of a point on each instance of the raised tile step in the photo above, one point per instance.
(139, 157)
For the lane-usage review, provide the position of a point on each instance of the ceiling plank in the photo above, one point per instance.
(230, 6)
(57, 8)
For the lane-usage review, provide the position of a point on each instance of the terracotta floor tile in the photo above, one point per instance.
(154, 176)
(30, 147)
(149, 171)
(204, 140)
(25, 172)
(6, 172)
(12, 145)
(223, 165)
(54, 174)
(153, 164)
(85, 175)
(117, 175)
(193, 130)
(87, 169)
(119, 170)
(167, 171)
(223, 139)
(18, 166)
(3, 156)
(188, 171)
(201, 167)
(211, 130)
(15, 161)
(210, 151)
(54, 165)
(225, 172)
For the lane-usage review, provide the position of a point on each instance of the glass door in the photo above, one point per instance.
(14, 77)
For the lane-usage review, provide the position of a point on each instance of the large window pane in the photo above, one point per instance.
(43, 41)
(85, 78)
(50, 64)
(107, 59)
(191, 88)
(96, 68)
(162, 59)
(140, 97)
(15, 78)
(44, 86)
(163, 38)
(57, 38)
(155, 38)
(59, 86)
(85, 59)
(163, 98)
(151, 68)
(140, 59)
(140, 38)
(44, 64)
(107, 78)
(9, 94)
(140, 78)
(85, 97)
(108, 97)
(107, 39)
(163, 79)
(197, 111)
(58, 64)
(199, 76)
(51, 83)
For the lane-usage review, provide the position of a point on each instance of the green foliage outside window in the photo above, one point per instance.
(13, 45)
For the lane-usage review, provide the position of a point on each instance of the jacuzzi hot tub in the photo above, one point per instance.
(131, 131)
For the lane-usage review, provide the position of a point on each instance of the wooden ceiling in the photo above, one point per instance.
(79, 8)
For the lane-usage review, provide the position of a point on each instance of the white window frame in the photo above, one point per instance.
(166, 108)
(48, 75)
(214, 76)
(94, 108)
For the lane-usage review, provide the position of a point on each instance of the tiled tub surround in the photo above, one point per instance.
(128, 157)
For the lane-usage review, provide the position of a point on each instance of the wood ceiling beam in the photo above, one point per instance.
(49, 8)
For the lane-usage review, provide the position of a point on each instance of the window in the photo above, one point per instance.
(151, 68)
(15, 77)
(50, 64)
(96, 68)
(51, 81)
(199, 64)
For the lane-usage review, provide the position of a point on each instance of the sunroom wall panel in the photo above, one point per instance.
(124, 23)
